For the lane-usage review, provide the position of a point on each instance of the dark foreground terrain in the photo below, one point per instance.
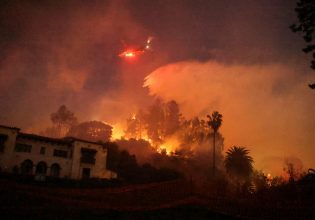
(178, 212)
(169, 200)
(166, 200)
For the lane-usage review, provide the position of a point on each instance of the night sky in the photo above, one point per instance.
(237, 57)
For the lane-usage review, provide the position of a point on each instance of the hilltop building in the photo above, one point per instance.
(57, 157)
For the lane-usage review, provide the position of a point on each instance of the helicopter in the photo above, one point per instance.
(131, 52)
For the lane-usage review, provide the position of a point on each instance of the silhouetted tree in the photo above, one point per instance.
(112, 156)
(136, 125)
(121, 162)
(63, 120)
(141, 123)
(172, 117)
(293, 167)
(92, 131)
(277, 181)
(126, 165)
(260, 180)
(198, 131)
(194, 135)
(238, 164)
(132, 127)
(141, 148)
(215, 121)
(155, 121)
(305, 10)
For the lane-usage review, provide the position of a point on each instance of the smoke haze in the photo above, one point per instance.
(265, 108)
(237, 57)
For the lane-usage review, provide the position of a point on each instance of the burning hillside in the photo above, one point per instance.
(164, 129)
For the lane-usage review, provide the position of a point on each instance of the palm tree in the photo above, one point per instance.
(238, 164)
(215, 121)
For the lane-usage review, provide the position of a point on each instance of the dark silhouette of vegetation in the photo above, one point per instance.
(239, 165)
(136, 125)
(128, 169)
(63, 119)
(191, 156)
(165, 130)
(194, 131)
(172, 117)
(259, 180)
(141, 148)
(305, 10)
(155, 120)
(215, 121)
(293, 167)
(91, 131)
(195, 136)
(28, 200)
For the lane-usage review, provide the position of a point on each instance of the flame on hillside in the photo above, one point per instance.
(168, 147)
(118, 132)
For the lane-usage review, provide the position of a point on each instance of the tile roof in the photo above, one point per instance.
(9, 127)
(44, 139)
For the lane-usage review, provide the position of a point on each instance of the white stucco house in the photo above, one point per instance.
(57, 157)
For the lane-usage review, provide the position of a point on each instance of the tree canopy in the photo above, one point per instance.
(238, 163)
(305, 10)
(92, 131)
(63, 119)
(215, 121)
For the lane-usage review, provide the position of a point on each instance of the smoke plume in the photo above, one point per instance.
(268, 109)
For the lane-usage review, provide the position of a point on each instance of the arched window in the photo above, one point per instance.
(55, 170)
(27, 167)
(41, 168)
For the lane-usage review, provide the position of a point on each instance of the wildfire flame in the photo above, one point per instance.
(164, 149)
(118, 132)
(168, 147)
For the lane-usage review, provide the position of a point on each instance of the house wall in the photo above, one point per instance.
(71, 166)
(6, 155)
(48, 157)
(98, 170)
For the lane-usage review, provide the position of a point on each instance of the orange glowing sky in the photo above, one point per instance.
(237, 57)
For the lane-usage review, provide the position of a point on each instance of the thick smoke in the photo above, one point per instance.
(67, 53)
(268, 109)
